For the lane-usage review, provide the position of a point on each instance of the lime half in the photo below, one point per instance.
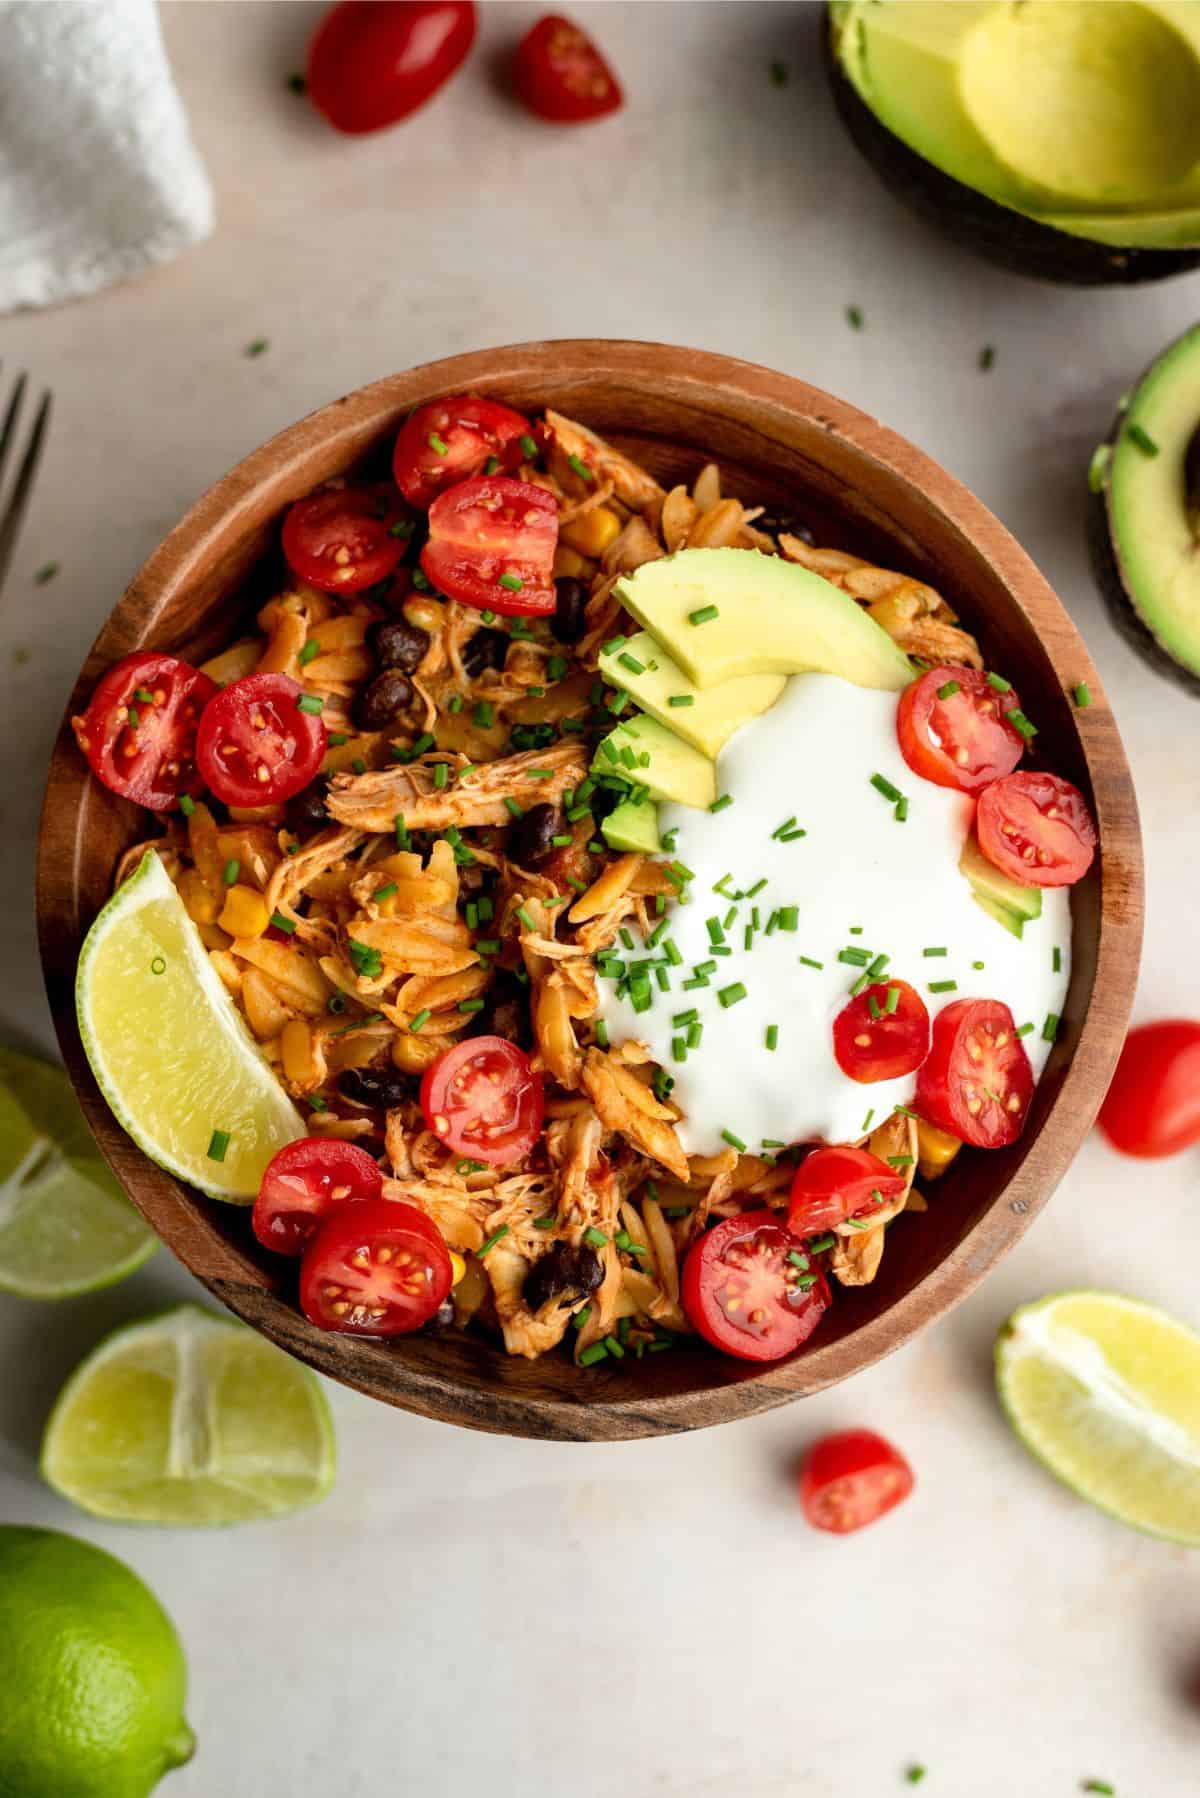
(1105, 1391)
(65, 1225)
(169, 1050)
(189, 1418)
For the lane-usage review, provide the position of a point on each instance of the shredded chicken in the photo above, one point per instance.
(374, 801)
(631, 484)
(626, 1104)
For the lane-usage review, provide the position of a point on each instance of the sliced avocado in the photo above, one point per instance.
(672, 769)
(633, 827)
(1011, 920)
(725, 613)
(1145, 513)
(710, 717)
(989, 884)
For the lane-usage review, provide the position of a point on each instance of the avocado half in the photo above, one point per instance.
(1144, 514)
(1058, 138)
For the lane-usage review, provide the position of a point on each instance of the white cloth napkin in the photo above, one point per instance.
(99, 177)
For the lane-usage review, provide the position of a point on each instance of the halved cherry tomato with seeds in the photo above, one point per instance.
(257, 745)
(483, 1100)
(491, 545)
(376, 1268)
(453, 440)
(953, 731)
(372, 62)
(341, 539)
(832, 1185)
(561, 76)
(139, 730)
(303, 1183)
(977, 1081)
(883, 1033)
(852, 1478)
(750, 1287)
(1037, 829)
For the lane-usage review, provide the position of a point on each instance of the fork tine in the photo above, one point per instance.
(8, 430)
(10, 523)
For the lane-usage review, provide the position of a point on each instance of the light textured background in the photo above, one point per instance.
(648, 1620)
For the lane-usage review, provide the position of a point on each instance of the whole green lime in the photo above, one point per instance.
(91, 1671)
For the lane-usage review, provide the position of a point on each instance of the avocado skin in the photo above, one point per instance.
(1106, 566)
(998, 233)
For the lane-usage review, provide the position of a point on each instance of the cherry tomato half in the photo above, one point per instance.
(483, 1100)
(303, 1183)
(883, 1033)
(561, 76)
(831, 1185)
(452, 440)
(852, 1478)
(139, 730)
(1153, 1104)
(378, 1268)
(977, 1081)
(340, 538)
(256, 745)
(1037, 829)
(953, 731)
(372, 62)
(743, 1292)
(491, 544)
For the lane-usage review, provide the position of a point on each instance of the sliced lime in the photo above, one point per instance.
(189, 1418)
(65, 1225)
(168, 1047)
(1105, 1391)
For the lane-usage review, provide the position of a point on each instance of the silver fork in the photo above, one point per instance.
(12, 510)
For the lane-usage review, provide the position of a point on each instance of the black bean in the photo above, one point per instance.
(570, 602)
(486, 649)
(307, 810)
(568, 1270)
(777, 519)
(377, 1087)
(395, 643)
(530, 840)
(505, 1012)
(381, 700)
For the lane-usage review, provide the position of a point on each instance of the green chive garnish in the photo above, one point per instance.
(511, 807)
(1050, 1027)
(892, 1000)
(735, 1142)
(491, 465)
(437, 444)
(1056, 960)
(579, 467)
(866, 1125)
(513, 582)
(719, 805)
(495, 1237)
(418, 1023)
(1083, 695)
(678, 699)
(308, 702)
(230, 872)
(730, 995)
(883, 785)
(1138, 434)
(158, 965)
(808, 962)
(772, 1037)
(601, 1033)
(588, 1357)
(595, 1237)
(1020, 723)
(704, 615)
(287, 925)
(999, 683)
(311, 648)
(528, 447)
(217, 1144)
(942, 986)
(937, 951)
(901, 810)
(950, 689)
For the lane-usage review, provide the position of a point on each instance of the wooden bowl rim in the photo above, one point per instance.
(708, 377)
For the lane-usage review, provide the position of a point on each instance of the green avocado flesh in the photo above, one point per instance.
(633, 827)
(1083, 115)
(1003, 899)
(647, 754)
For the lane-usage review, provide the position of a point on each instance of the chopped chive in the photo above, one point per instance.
(631, 662)
(901, 810)
(187, 804)
(720, 805)
(915, 1774)
(580, 467)
(854, 958)
(1026, 1029)
(942, 986)
(417, 1024)
(336, 738)
(1083, 695)
(402, 837)
(158, 965)
(987, 357)
(866, 1123)
(679, 1048)
(495, 1237)
(695, 1034)
(1050, 1027)
(403, 527)
(1099, 1785)
(978, 966)
(854, 317)
(704, 615)
(730, 995)
(901, 1160)
(437, 444)
(311, 648)
(878, 965)
(601, 1033)
(512, 808)
(358, 765)
(588, 1357)
(556, 667)
(487, 945)
(941, 950)
(308, 702)
(525, 917)
(892, 1000)
(950, 689)
(883, 785)
(441, 774)
(545, 1223)
(817, 1245)
(735, 1142)
(798, 1259)
(860, 985)
(683, 1018)
(808, 962)
(230, 872)
(873, 1008)
(287, 925)
(616, 702)
(218, 1142)
(999, 683)
(772, 1142)
(678, 699)
(1138, 434)
(1021, 723)
(673, 952)
(595, 1237)
(512, 582)
(529, 448)
(780, 829)
(1056, 960)
(484, 715)
(470, 1005)
(772, 1036)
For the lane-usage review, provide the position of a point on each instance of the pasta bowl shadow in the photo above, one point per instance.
(859, 486)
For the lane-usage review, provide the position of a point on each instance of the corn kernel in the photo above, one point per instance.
(202, 905)
(296, 1052)
(413, 1054)
(568, 562)
(458, 1267)
(936, 1149)
(244, 912)
(592, 532)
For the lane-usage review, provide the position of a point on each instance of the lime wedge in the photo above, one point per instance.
(1105, 1391)
(169, 1050)
(65, 1225)
(189, 1418)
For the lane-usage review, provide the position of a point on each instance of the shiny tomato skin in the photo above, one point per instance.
(852, 1478)
(398, 1287)
(977, 1081)
(469, 429)
(373, 62)
(560, 75)
(255, 746)
(486, 531)
(1153, 1105)
(962, 741)
(896, 1042)
(340, 538)
(834, 1184)
(303, 1183)
(744, 1261)
(1037, 829)
(483, 1100)
(152, 762)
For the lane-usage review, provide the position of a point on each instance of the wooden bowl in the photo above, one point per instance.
(860, 486)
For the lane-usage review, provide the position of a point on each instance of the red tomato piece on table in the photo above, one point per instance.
(1037, 829)
(560, 75)
(834, 1184)
(257, 743)
(953, 729)
(303, 1183)
(883, 1033)
(340, 539)
(139, 730)
(453, 440)
(852, 1478)
(1153, 1105)
(491, 545)
(977, 1081)
(751, 1289)
(377, 1268)
(483, 1100)
(372, 62)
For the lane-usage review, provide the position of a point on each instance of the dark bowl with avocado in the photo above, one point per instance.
(1059, 139)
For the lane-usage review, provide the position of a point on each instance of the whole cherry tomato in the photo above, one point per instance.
(1153, 1104)
(372, 62)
